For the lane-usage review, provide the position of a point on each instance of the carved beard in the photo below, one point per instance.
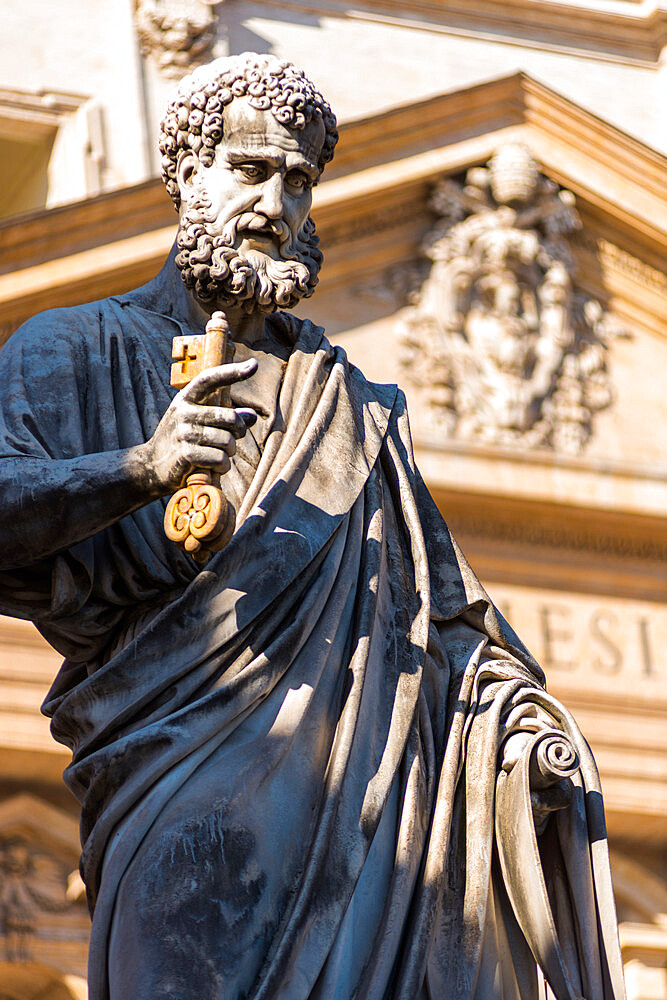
(216, 272)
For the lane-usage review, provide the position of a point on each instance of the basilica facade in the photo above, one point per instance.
(495, 230)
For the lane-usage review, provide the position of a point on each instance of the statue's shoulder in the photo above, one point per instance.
(88, 334)
(387, 394)
(54, 337)
(61, 326)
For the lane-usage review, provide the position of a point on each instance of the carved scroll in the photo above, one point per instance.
(547, 759)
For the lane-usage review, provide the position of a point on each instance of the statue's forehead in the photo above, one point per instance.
(248, 127)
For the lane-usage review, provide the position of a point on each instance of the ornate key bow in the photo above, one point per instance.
(199, 518)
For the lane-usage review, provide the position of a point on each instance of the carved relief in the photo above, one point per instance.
(504, 347)
(179, 34)
(41, 902)
(31, 881)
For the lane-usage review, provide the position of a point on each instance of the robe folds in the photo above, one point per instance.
(288, 761)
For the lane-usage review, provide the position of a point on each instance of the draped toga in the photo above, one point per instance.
(287, 760)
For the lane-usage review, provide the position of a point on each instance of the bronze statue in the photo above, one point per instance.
(314, 762)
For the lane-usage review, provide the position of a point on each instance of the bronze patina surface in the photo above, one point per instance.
(321, 764)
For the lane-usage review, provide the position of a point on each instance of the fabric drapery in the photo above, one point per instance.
(287, 761)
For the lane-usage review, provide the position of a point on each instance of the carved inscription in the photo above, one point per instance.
(589, 636)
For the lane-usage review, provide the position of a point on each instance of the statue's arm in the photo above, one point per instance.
(50, 504)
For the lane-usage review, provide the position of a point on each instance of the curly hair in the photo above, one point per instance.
(194, 118)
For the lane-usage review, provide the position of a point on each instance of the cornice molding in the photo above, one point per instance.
(639, 887)
(37, 114)
(641, 941)
(44, 235)
(626, 32)
(595, 160)
(513, 539)
(430, 124)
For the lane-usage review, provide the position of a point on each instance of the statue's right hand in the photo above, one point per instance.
(194, 434)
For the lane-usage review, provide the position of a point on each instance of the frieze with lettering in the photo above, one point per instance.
(577, 634)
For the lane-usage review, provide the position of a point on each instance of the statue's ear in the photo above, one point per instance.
(186, 171)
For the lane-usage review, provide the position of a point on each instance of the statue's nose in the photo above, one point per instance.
(271, 201)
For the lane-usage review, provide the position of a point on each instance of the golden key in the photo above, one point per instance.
(199, 518)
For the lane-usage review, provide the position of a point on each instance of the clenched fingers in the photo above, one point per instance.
(211, 437)
(235, 420)
(202, 457)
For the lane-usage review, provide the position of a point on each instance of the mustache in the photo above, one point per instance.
(289, 247)
(255, 222)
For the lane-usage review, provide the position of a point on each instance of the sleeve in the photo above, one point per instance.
(45, 388)
(44, 379)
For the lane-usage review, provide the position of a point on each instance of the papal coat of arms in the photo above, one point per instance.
(505, 348)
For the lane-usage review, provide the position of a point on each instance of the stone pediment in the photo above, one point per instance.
(387, 167)
(47, 829)
(372, 208)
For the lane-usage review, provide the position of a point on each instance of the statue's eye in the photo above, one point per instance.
(298, 180)
(252, 171)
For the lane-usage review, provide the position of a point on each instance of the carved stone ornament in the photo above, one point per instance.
(179, 34)
(504, 347)
(32, 882)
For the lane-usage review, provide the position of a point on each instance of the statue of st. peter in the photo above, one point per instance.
(320, 765)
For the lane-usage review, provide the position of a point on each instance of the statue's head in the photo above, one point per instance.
(243, 143)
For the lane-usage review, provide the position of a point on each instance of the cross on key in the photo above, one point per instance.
(198, 351)
(188, 355)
